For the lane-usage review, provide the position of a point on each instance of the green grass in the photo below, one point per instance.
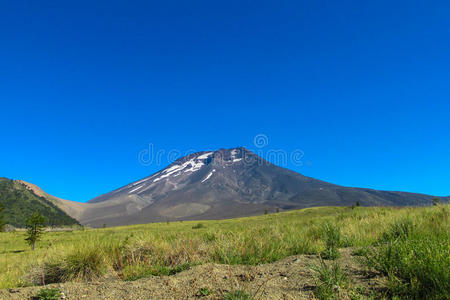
(330, 280)
(333, 239)
(411, 246)
(84, 263)
(414, 254)
(236, 295)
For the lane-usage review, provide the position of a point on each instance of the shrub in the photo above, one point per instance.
(198, 226)
(165, 270)
(48, 294)
(203, 292)
(436, 201)
(135, 271)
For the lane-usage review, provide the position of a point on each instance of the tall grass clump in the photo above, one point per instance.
(415, 258)
(84, 265)
(140, 258)
(400, 230)
(260, 244)
(333, 239)
(331, 279)
(236, 295)
(80, 264)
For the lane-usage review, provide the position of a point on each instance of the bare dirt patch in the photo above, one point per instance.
(290, 278)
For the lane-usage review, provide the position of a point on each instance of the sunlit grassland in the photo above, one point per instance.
(132, 252)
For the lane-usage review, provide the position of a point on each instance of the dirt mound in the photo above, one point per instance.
(290, 278)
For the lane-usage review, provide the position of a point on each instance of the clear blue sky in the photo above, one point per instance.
(363, 89)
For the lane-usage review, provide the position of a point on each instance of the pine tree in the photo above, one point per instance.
(35, 228)
(436, 201)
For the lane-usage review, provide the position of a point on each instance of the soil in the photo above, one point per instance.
(290, 278)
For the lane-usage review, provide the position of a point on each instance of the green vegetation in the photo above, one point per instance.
(2, 223)
(410, 246)
(82, 264)
(20, 203)
(198, 226)
(331, 235)
(415, 257)
(35, 229)
(236, 295)
(330, 280)
(48, 294)
(436, 201)
(202, 292)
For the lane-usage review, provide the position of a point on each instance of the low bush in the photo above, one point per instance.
(203, 292)
(135, 272)
(198, 226)
(47, 294)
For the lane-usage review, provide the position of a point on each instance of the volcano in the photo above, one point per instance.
(226, 183)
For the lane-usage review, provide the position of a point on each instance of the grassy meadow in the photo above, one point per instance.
(409, 246)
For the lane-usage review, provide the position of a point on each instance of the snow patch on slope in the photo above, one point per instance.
(205, 156)
(209, 175)
(133, 190)
(234, 157)
(189, 166)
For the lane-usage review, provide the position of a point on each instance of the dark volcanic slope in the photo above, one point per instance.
(224, 184)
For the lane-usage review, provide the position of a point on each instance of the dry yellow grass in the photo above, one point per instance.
(136, 251)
